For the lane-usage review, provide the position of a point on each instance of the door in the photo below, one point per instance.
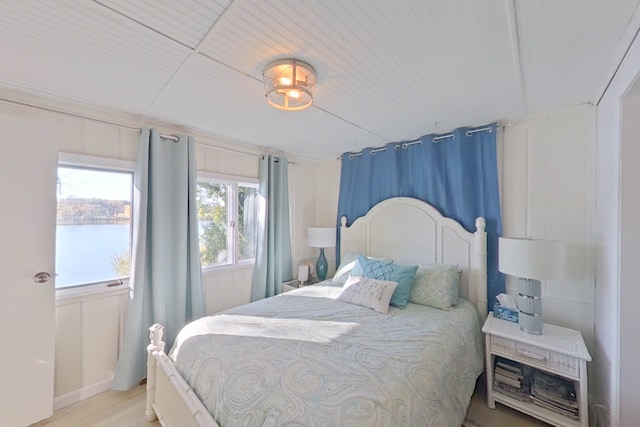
(28, 165)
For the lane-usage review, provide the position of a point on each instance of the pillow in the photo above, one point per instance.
(348, 263)
(368, 292)
(387, 270)
(436, 286)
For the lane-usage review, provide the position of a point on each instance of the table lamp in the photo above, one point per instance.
(531, 260)
(321, 237)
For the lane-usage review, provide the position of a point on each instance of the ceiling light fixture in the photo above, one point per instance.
(289, 84)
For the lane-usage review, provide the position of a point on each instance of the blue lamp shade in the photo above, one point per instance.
(322, 237)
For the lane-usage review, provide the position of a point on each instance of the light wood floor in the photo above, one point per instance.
(107, 409)
(126, 409)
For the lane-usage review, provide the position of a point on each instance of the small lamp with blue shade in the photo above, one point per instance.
(322, 237)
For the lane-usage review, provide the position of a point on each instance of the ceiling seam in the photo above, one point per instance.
(116, 11)
(350, 122)
(623, 57)
(194, 51)
(197, 51)
(515, 47)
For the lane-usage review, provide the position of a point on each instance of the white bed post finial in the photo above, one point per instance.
(480, 267)
(156, 345)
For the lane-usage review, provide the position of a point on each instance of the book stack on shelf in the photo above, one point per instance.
(554, 393)
(511, 378)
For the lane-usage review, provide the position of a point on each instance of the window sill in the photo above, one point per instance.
(217, 269)
(90, 292)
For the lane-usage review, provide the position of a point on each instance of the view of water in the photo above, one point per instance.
(84, 252)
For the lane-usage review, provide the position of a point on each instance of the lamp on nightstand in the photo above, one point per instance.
(531, 260)
(322, 237)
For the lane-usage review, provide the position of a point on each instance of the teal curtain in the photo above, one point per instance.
(166, 279)
(273, 250)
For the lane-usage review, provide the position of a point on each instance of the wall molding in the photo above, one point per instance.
(83, 393)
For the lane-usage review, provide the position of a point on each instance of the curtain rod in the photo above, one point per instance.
(407, 144)
(111, 123)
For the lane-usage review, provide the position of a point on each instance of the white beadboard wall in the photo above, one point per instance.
(547, 177)
(85, 363)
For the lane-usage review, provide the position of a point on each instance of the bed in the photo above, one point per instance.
(307, 357)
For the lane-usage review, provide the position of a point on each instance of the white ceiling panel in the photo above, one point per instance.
(205, 95)
(387, 70)
(377, 62)
(75, 50)
(565, 47)
(186, 21)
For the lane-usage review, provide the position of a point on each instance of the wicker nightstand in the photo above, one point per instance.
(559, 354)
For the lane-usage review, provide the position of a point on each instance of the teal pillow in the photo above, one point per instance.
(387, 270)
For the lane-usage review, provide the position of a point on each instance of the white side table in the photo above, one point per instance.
(290, 285)
(558, 351)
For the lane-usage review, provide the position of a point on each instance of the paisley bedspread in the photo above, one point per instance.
(304, 358)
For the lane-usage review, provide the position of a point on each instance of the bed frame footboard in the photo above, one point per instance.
(169, 398)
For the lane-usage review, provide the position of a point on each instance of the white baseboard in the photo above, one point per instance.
(83, 393)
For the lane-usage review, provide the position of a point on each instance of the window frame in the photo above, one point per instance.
(233, 182)
(106, 164)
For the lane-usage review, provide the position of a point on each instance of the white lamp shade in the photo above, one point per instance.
(321, 237)
(531, 258)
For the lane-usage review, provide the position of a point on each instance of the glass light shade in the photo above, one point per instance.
(321, 237)
(289, 84)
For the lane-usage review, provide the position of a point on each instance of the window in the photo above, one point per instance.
(227, 218)
(93, 229)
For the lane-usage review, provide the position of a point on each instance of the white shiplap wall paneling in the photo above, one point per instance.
(547, 193)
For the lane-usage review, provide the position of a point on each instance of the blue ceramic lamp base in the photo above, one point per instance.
(321, 266)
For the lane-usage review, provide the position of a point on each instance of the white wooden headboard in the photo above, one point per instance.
(407, 229)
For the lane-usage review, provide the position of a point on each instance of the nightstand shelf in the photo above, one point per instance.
(560, 352)
(290, 285)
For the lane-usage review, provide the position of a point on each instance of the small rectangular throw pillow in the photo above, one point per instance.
(368, 292)
(387, 270)
(436, 286)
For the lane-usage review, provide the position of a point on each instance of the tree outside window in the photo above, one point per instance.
(227, 222)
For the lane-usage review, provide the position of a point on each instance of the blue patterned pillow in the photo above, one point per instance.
(387, 270)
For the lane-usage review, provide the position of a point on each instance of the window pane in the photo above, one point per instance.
(213, 220)
(93, 232)
(247, 222)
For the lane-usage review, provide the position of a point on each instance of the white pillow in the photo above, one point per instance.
(367, 292)
(349, 260)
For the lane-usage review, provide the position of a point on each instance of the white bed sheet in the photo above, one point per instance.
(306, 358)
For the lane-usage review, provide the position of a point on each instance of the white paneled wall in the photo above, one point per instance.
(547, 192)
(89, 329)
(313, 194)
(227, 289)
(87, 342)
